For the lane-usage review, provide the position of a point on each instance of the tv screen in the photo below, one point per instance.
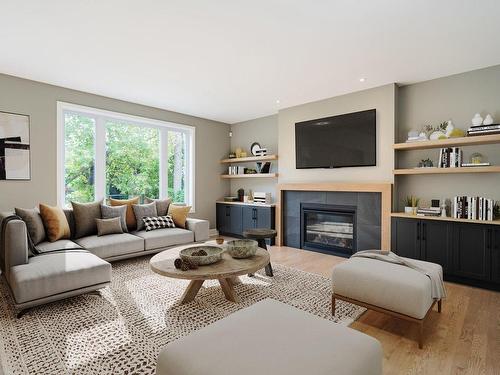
(339, 141)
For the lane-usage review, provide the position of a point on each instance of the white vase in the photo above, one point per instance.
(477, 120)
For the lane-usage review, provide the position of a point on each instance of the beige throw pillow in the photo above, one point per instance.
(55, 223)
(179, 214)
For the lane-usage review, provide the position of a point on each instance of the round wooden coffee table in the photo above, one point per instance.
(226, 271)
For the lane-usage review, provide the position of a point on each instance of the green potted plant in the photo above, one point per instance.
(411, 204)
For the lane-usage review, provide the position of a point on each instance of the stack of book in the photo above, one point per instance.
(473, 208)
(429, 211)
(484, 129)
(236, 170)
(450, 157)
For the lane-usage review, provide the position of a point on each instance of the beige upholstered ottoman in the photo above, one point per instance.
(386, 287)
(272, 338)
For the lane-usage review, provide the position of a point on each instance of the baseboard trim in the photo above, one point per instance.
(213, 232)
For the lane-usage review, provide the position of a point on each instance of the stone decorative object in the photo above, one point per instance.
(240, 249)
(488, 120)
(477, 120)
(214, 254)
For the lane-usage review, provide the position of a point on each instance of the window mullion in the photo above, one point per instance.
(100, 159)
(163, 163)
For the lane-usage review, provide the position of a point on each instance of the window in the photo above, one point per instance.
(105, 154)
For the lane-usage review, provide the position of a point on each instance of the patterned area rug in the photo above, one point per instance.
(123, 331)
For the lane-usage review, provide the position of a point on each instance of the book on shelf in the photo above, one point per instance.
(473, 208)
(485, 164)
(429, 211)
(484, 129)
(450, 157)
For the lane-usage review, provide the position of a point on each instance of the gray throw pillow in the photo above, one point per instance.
(161, 205)
(109, 212)
(34, 223)
(143, 210)
(85, 215)
(108, 226)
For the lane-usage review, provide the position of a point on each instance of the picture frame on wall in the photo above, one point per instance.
(15, 152)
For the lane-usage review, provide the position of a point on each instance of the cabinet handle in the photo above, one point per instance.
(488, 239)
(418, 231)
(424, 231)
(254, 214)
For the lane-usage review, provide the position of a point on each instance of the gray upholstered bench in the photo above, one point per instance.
(272, 338)
(385, 287)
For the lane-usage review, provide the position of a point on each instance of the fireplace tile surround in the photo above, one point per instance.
(368, 213)
(373, 202)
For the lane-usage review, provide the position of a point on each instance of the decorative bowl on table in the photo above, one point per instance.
(192, 254)
(241, 249)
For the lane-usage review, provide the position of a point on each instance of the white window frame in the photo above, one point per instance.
(101, 116)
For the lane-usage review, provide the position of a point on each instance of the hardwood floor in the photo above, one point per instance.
(463, 339)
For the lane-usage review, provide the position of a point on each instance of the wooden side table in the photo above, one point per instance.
(261, 235)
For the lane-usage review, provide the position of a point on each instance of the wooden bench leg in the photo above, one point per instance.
(439, 306)
(333, 304)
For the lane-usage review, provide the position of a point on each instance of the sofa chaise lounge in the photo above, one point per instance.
(55, 275)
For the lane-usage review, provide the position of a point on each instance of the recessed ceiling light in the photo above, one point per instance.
(277, 101)
(362, 79)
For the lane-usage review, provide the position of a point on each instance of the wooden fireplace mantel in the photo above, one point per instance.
(385, 189)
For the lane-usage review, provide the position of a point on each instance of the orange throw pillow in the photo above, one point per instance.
(55, 222)
(129, 217)
(179, 214)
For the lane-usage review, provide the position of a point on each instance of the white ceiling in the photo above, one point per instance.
(230, 60)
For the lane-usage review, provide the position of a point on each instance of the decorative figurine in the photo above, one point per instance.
(477, 120)
(488, 120)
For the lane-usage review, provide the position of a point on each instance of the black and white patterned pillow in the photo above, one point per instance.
(158, 222)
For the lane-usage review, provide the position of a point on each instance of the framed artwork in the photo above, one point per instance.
(15, 157)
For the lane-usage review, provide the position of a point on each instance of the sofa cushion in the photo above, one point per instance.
(55, 222)
(85, 215)
(143, 210)
(112, 245)
(34, 223)
(47, 247)
(50, 274)
(109, 212)
(160, 238)
(108, 226)
(390, 286)
(131, 222)
(179, 214)
(161, 205)
(270, 337)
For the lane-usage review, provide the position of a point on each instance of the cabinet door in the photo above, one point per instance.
(435, 243)
(235, 219)
(263, 217)
(495, 256)
(406, 237)
(471, 251)
(249, 218)
(221, 218)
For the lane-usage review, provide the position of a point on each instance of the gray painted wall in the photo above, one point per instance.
(456, 97)
(265, 131)
(39, 101)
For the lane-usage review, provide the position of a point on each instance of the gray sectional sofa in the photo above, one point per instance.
(85, 268)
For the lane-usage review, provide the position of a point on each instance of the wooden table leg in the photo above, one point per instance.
(235, 280)
(228, 289)
(191, 291)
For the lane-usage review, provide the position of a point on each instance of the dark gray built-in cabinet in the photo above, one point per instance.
(234, 219)
(469, 253)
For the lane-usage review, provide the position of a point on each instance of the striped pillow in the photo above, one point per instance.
(158, 222)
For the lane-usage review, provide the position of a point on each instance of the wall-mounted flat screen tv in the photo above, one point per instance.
(347, 140)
